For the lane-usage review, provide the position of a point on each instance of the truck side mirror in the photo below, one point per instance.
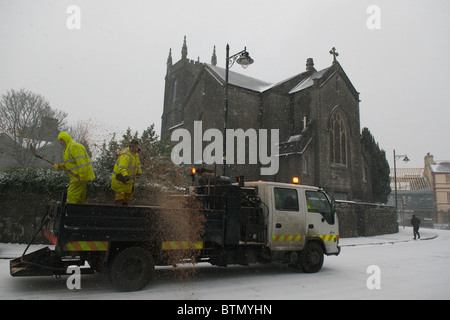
(332, 202)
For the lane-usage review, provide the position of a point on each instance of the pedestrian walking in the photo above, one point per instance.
(415, 222)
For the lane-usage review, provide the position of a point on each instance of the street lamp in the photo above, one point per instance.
(242, 58)
(405, 159)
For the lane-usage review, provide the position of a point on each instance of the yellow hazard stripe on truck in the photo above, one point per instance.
(182, 245)
(299, 237)
(326, 237)
(86, 246)
(287, 237)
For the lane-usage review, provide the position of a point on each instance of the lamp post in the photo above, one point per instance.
(405, 159)
(244, 60)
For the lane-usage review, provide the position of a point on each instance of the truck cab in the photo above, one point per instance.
(298, 216)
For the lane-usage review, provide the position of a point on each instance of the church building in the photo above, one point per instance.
(315, 111)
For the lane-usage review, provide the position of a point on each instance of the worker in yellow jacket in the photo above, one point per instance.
(77, 163)
(126, 170)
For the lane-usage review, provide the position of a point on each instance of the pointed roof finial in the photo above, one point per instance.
(169, 59)
(184, 51)
(334, 53)
(214, 57)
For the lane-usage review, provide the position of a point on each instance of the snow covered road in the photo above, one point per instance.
(404, 269)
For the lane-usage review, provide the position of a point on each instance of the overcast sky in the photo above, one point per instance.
(111, 70)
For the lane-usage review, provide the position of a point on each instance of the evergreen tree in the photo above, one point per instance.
(155, 157)
(379, 167)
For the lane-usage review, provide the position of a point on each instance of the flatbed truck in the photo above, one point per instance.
(245, 223)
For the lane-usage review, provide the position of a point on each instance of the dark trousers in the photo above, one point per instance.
(416, 232)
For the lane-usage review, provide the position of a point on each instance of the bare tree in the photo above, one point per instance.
(82, 132)
(27, 118)
(91, 134)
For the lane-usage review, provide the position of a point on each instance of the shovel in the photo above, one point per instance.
(33, 151)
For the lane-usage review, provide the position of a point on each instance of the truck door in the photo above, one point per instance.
(321, 220)
(288, 219)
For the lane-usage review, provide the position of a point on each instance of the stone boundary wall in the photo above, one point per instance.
(365, 219)
(21, 214)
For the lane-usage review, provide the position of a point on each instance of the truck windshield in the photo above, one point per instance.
(317, 201)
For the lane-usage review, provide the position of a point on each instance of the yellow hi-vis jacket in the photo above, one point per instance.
(76, 159)
(128, 165)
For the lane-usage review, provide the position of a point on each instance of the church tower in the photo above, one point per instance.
(178, 85)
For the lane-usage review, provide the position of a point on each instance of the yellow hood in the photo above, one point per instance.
(66, 137)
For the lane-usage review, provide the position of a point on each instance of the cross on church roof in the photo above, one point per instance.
(334, 53)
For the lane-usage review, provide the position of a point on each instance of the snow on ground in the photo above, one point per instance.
(408, 270)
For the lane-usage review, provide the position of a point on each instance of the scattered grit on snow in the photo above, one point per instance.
(408, 269)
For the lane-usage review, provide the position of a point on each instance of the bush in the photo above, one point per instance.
(32, 179)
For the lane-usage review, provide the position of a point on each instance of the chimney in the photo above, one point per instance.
(429, 159)
(310, 65)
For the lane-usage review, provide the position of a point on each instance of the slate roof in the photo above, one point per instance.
(305, 80)
(309, 81)
(410, 179)
(240, 80)
(440, 166)
(243, 81)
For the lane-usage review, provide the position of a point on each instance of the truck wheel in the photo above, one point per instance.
(312, 258)
(131, 269)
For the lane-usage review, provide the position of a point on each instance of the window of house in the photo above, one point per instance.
(286, 199)
(338, 139)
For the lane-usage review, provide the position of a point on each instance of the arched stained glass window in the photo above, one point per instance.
(338, 139)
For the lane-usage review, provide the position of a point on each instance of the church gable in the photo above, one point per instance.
(341, 80)
(321, 78)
